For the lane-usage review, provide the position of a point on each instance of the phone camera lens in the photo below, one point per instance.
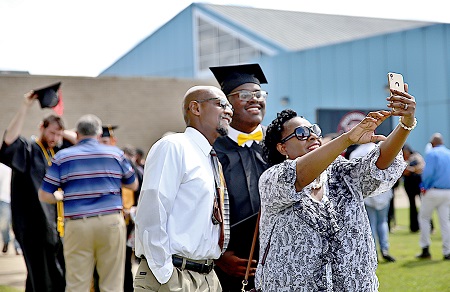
(391, 75)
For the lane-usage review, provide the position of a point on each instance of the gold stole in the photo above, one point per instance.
(127, 202)
(59, 204)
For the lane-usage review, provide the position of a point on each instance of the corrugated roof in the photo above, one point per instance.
(302, 30)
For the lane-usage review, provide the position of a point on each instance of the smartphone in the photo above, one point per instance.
(395, 81)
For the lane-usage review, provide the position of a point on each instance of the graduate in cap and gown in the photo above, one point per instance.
(33, 222)
(108, 137)
(240, 155)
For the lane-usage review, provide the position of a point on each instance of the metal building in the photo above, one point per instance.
(316, 64)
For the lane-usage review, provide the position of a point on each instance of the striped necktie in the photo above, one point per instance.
(221, 199)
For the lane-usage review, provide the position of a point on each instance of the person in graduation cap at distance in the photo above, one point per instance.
(130, 198)
(34, 223)
(108, 137)
(240, 154)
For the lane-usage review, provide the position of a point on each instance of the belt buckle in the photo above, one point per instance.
(207, 267)
(201, 268)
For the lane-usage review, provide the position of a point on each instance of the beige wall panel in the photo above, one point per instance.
(143, 108)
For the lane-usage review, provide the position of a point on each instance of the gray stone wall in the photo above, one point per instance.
(143, 108)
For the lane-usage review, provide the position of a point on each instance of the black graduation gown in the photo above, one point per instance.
(33, 222)
(242, 167)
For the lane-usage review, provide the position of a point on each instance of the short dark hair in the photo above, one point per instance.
(408, 148)
(50, 119)
(273, 137)
(129, 150)
(140, 152)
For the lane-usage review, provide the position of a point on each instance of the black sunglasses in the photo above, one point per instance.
(222, 102)
(303, 133)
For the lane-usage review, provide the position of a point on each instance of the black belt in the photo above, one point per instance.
(199, 266)
(96, 215)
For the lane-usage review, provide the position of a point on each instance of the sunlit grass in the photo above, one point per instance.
(10, 289)
(408, 273)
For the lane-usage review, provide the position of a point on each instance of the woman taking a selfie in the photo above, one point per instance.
(314, 230)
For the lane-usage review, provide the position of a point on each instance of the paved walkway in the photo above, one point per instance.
(13, 271)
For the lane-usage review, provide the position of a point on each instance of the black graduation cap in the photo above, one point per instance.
(108, 130)
(230, 77)
(48, 96)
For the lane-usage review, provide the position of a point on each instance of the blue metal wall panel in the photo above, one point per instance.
(395, 53)
(283, 82)
(435, 65)
(341, 76)
(376, 72)
(343, 73)
(311, 89)
(414, 75)
(328, 81)
(353, 75)
(169, 52)
(436, 80)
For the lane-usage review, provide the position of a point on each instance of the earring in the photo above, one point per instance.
(287, 156)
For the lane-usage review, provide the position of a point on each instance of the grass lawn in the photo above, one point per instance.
(9, 289)
(408, 273)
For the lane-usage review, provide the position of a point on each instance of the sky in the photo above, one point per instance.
(84, 37)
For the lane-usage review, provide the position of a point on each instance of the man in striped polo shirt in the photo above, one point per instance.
(91, 176)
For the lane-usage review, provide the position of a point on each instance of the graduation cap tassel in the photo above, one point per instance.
(60, 223)
(59, 107)
(60, 217)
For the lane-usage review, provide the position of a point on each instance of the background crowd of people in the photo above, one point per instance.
(189, 215)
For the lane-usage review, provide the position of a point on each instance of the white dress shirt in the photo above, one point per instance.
(176, 202)
(382, 200)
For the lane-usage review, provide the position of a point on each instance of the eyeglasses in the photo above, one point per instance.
(223, 103)
(303, 133)
(246, 95)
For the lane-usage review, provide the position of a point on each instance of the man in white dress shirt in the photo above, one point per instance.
(176, 236)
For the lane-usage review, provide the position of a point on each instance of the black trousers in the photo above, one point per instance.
(412, 189)
(128, 283)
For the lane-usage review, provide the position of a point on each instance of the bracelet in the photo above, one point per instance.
(405, 127)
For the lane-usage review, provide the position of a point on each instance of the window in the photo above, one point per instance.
(217, 47)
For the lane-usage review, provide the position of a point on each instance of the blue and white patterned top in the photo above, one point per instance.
(326, 245)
